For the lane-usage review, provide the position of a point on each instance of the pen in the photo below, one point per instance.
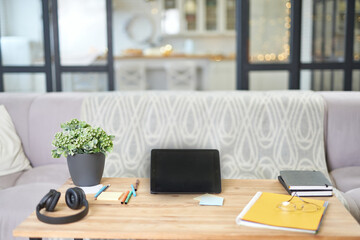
(125, 196)
(128, 197)
(133, 190)
(101, 190)
(137, 184)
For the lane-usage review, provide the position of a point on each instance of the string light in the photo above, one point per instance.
(260, 57)
(261, 23)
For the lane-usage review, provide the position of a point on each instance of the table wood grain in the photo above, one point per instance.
(178, 216)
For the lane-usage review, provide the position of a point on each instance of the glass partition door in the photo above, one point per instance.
(25, 62)
(83, 45)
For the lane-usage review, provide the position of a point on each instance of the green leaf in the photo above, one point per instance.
(79, 137)
(71, 147)
(54, 154)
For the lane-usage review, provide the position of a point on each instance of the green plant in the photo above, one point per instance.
(79, 137)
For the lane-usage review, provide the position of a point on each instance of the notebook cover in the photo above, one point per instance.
(284, 184)
(305, 180)
(306, 193)
(264, 212)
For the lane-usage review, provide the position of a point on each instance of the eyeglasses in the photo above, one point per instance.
(302, 205)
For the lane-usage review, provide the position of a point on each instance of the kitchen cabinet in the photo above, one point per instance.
(211, 74)
(195, 17)
(221, 75)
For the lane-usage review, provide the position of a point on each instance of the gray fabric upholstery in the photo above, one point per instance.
(9, 180)
(343, 129)
(346, 178)
(354, 194)
(17, 203)
(18, 106)
(31, 185)
(51, 173)
(46, 115)
(36, 118)
(353, 199)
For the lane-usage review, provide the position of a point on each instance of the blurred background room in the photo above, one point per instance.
(106, 45)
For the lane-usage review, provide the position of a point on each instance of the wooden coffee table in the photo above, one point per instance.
(174, 216)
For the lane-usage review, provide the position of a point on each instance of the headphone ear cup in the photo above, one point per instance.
(75, 197)
(52, 201)
(46, 197)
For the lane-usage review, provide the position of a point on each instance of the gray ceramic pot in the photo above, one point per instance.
(86, 169)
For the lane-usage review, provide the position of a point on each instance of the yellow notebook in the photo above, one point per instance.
(266, 210)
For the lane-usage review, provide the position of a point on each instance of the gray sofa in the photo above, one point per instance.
(38, 116)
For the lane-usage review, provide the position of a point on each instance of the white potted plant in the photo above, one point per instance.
(85, 148)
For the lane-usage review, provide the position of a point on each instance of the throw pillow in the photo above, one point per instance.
(12, 156)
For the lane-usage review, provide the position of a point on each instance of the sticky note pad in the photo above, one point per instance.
(110, 196)
(211, 201)
(205, 195)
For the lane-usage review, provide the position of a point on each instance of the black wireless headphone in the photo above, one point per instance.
(75, 198)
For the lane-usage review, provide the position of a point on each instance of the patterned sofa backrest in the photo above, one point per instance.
(257, 133)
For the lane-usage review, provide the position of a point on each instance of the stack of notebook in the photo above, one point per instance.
(306, 183)
(263, 211)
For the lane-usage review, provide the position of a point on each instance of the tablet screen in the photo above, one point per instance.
(185, 171)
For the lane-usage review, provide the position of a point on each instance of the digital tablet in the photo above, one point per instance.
(185, 171)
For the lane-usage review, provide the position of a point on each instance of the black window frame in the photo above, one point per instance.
(294, 66)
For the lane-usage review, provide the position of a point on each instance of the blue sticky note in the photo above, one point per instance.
(211, 201)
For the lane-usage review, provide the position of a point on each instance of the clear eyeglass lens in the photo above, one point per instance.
(309, 207)
(287, 206)
(305, 207)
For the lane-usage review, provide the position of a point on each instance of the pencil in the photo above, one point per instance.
(125, 196)
(133, 190)
(137, 184)
(101, 190)
(128, 197)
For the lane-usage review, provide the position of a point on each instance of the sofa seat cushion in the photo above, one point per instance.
(9, 180)
(19, 202)
(52, 173)
(347, 178)
(353, 199)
